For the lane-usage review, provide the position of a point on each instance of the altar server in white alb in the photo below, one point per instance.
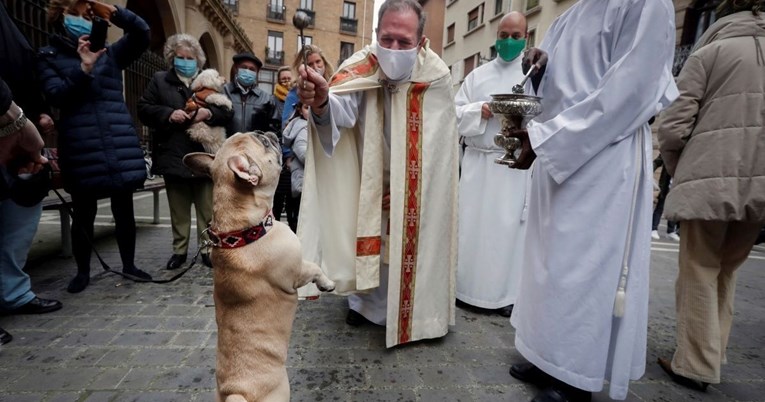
(492, 210)
(582, 309)
(379, 205)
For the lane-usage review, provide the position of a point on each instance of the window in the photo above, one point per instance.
(450, 34)
(266, 78)
(349, 10)
(346, 50)
(306, 4)
(532, 38)
(469, 65)
(475, 18)
(308, 41)
(275, 10)
(492, 52)
(232, 5)
(498, 7)
(531, 4)
(275, 48)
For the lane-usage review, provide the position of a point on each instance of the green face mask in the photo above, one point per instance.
(509, 48)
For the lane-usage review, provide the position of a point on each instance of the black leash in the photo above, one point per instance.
(106, 266)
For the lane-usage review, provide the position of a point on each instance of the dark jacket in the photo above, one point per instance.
(18, 69)
(257, 111)
(99, 151)
(170, 142)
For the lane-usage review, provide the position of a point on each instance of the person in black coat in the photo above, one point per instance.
(162, 109)
(99, 152)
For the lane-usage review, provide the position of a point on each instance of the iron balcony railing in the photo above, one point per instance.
(275, 12)
(275, 57)
(348, 25)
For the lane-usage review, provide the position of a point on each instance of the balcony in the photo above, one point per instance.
(311, 14)
(275, 13)
(348, 25)
(275, 57)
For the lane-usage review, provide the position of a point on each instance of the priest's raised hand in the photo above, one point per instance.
(312, 89)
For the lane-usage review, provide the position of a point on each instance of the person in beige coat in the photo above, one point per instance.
(712, 141)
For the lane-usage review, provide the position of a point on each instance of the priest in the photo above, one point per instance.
(379, 204)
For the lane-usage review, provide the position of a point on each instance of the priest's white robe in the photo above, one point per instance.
(609, 72)
(376, 137)
(492, 196)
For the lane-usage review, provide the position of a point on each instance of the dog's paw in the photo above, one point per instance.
(325, 285)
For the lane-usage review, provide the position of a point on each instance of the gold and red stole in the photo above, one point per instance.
(341, 216)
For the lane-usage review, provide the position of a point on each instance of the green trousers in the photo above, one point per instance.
(181, 194)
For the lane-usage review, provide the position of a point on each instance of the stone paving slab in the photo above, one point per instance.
(122, 341)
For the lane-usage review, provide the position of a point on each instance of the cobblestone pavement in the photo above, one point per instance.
(120, 341)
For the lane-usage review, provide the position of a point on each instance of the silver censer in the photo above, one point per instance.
(514, 111)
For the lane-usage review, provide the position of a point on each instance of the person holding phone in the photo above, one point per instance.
(99, 152)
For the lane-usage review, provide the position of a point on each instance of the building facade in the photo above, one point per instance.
(470, 29)
(339, 28)
(434, 25)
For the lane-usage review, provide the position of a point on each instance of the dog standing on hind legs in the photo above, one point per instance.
(258, 269)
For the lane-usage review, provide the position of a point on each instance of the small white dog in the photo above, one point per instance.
(208, 90)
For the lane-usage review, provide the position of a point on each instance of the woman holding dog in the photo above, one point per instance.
(99, 152)
(162, 109)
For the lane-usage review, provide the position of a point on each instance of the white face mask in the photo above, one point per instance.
(320, 71)
(396, 64)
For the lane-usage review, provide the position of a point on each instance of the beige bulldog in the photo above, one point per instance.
(258, 269)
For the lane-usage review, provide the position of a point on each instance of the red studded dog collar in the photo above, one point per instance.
(241, 238)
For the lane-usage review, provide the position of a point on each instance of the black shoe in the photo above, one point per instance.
(206, 260)
(563, 393)
(355, 319)
(78, 283)
(176, 261)
(530, 373)
(5, 337)
(506, 311)
(37, 306)
(666, 365)
(137, 273)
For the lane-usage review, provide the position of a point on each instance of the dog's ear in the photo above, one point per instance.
(244, 169)
(200, 163)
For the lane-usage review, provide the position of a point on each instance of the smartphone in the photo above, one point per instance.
(98, 34)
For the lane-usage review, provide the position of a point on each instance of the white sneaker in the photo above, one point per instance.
(655, 234)
(674, 236)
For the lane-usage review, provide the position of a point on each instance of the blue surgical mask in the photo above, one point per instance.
(186, 68)
(77, 26)
(246, 77)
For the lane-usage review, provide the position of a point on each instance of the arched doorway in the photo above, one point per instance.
(160, 16)
(208, 45)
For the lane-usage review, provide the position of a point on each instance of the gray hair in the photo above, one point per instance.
(403, 5)
(184, 41)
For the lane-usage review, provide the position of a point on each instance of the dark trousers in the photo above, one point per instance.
(664, 180)
(283, 201)
(85, 207)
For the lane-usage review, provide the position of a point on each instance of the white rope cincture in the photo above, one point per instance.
(621, 292)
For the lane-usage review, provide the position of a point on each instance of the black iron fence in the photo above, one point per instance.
(137, 77)
(31, 18)
(681, 55)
